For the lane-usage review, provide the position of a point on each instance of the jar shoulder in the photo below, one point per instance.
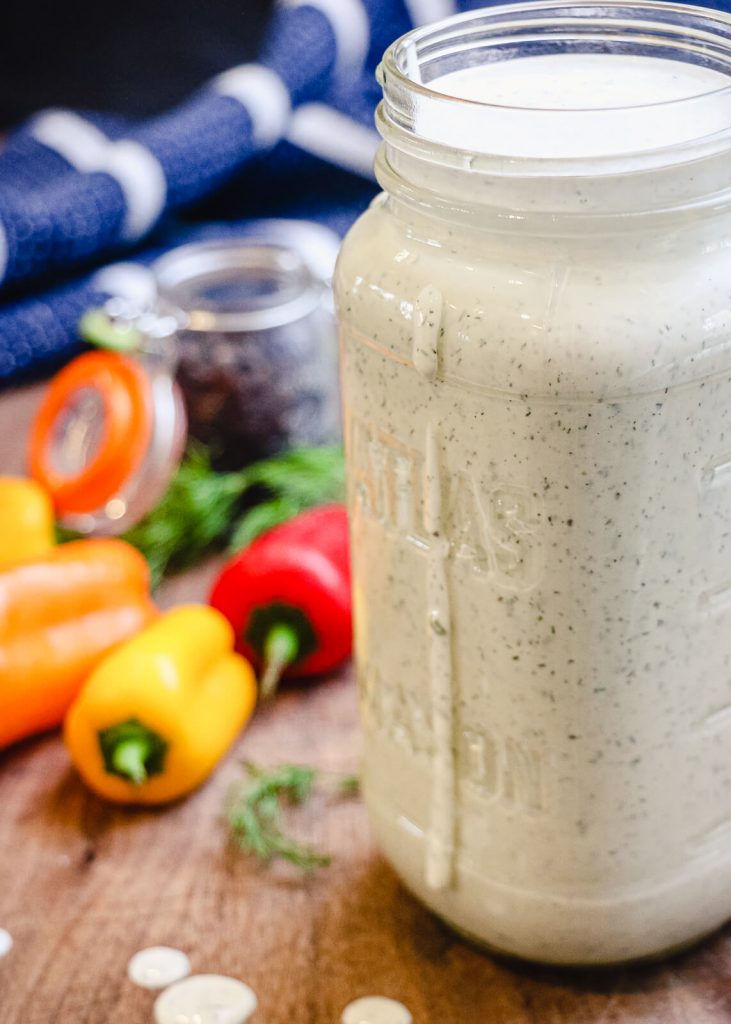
(541, 316)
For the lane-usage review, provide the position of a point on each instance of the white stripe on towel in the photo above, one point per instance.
(137, 172)
(327, 133)
(351, 28)
(264, 95)
(424, 11)
(130, 281)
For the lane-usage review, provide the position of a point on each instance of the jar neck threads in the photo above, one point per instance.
(643, 125)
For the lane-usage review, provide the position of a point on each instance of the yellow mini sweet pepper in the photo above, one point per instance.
(26, 520)
(157, 714)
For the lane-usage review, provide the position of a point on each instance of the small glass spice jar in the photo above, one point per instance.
(257, 353)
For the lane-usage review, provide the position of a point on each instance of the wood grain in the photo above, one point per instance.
(83, 886)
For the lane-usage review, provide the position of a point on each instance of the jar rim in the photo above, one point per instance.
(698, 35)
(200, 283)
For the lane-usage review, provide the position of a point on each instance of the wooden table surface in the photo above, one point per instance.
(84, 885)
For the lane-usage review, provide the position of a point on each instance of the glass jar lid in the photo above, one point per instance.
(107, 438)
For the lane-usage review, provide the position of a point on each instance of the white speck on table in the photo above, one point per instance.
(376, 1010)
(158, 966)
(206, 999)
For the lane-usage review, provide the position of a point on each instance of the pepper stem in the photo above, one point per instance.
(281, 648)
(129, 758)
(132, 751)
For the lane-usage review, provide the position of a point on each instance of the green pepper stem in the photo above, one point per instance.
(132, 751)
(128, 759)
(281, 648)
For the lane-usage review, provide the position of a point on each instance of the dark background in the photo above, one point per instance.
(136, 57)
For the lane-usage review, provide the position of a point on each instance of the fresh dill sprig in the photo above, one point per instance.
(203, 508)
(256, 804)
(287, 485)
(194, 513)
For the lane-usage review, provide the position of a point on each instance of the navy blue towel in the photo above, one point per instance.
(289, 136)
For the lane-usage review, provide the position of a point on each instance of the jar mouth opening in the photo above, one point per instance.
(440, 87)
(237, 285)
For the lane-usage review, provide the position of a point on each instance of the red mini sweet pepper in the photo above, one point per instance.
(288, 597)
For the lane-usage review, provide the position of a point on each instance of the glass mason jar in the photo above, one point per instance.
(257, 353)
(536, 348)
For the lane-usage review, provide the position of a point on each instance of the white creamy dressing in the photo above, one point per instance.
(580, 105)
(376, 1010)
(440, 834)
(6, 942)
(206, 999)
(551, 772)
(157, 967)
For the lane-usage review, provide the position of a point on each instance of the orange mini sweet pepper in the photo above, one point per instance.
(59, 615)
(157, 714)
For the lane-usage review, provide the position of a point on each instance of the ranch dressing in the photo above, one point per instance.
(376, 1010)
(206, 999)
(537, 394)
(606, 86)
(6, 942)
(157, 967)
